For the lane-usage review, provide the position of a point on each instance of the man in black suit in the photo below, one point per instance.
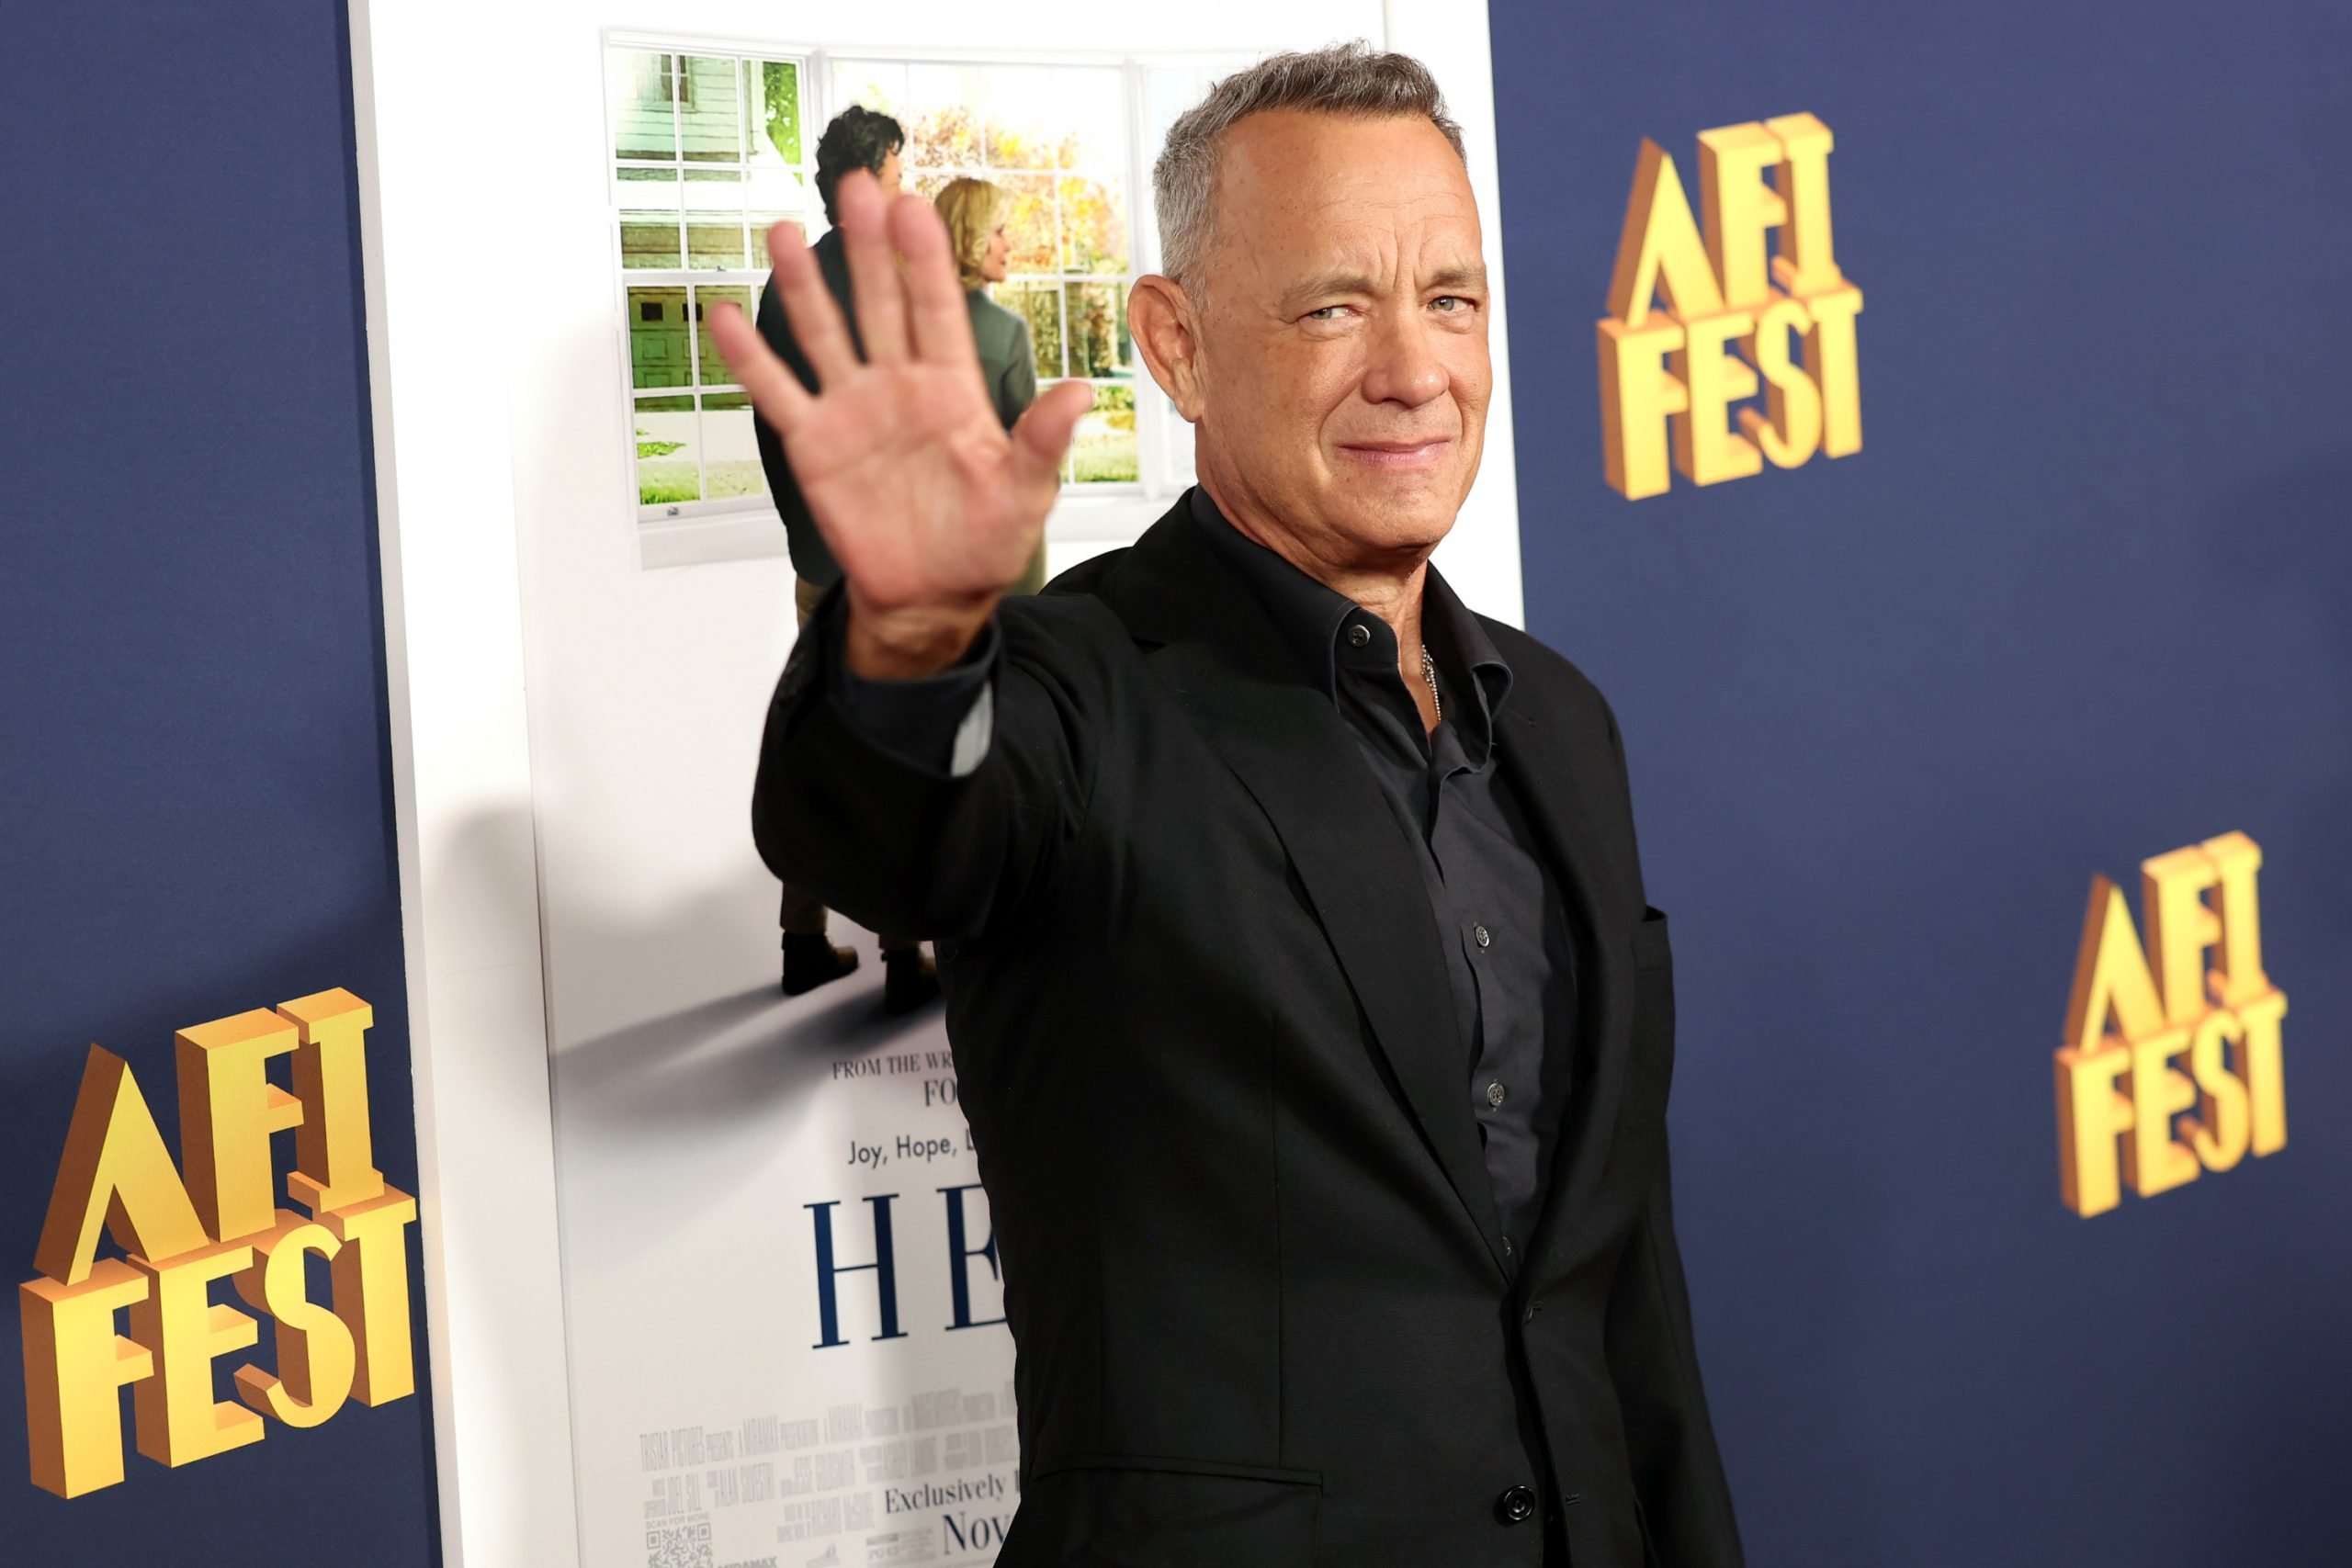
(1313, 1029)
(858, 138)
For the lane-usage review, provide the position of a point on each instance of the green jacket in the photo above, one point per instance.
(1009, 368)
(1008, 364)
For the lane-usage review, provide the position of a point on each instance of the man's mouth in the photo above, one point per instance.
(1421, 454)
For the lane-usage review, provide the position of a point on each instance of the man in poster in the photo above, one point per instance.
(857, 139)
(1312, 1028)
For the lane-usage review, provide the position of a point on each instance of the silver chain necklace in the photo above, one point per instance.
(1429, 679)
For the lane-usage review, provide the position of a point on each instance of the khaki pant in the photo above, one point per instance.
(801, 914)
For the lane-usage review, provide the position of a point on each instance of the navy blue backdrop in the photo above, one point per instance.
(2085, 596)
(192, 753)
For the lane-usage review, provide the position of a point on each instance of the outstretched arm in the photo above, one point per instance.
(931, 506)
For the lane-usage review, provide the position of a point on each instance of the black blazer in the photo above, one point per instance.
(1209, 1058)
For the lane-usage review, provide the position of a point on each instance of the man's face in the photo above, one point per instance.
(887, 176)
(1342, 337)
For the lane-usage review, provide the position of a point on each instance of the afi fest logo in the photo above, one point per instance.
(1732, 313)
(2123, 1097)
(222, 1223)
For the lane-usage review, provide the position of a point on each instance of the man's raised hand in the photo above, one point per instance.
(928, 505)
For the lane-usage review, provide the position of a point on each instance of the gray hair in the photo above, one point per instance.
(1351, 79)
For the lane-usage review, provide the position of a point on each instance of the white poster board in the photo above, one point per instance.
(577, 691)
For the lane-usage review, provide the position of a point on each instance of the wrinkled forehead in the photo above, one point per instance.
(1302, 189)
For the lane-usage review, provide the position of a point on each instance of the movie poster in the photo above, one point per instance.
(780, 1260)
(784, 1309)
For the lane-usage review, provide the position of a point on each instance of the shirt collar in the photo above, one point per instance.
(1318, 622)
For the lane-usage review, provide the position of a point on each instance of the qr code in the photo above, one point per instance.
(679, 1546)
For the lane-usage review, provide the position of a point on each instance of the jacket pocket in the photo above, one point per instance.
(1650, 1070)
(1651, 948)
(1113, 1511)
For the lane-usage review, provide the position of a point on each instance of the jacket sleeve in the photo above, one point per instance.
(1652, 1360)
(900, 846)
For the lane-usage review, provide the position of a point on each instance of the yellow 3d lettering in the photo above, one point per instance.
(371, 1292)
(228, 1110)
(186, 1331)
(1789, 430)
(75, 1365)
(1671, 380)
(315, 1359)
(115, 1173)
(2171, 1068)
(152, 1319)
(335, 1151)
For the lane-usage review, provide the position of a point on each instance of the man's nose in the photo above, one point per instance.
(1405, 366)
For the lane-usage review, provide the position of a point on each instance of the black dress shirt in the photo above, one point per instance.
(1495, 898)
(1497, 906)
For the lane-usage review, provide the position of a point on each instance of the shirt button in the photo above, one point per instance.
(1359, 635)
(1494, 1092)
(1480, 935)
(1517, 1505)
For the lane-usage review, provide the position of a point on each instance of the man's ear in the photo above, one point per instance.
(1162, 320)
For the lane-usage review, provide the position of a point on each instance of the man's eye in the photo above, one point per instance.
(1452, 304)
(1324, 314)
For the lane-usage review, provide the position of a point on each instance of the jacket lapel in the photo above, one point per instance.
(1244, 688)
(1556, 786)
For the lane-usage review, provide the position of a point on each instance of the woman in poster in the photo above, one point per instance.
(975, 212)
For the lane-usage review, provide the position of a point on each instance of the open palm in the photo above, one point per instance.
(929, 505)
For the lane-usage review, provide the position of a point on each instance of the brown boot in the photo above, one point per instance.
(810, 960)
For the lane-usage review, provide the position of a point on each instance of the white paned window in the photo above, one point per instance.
(708, 150)
(710, 146)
